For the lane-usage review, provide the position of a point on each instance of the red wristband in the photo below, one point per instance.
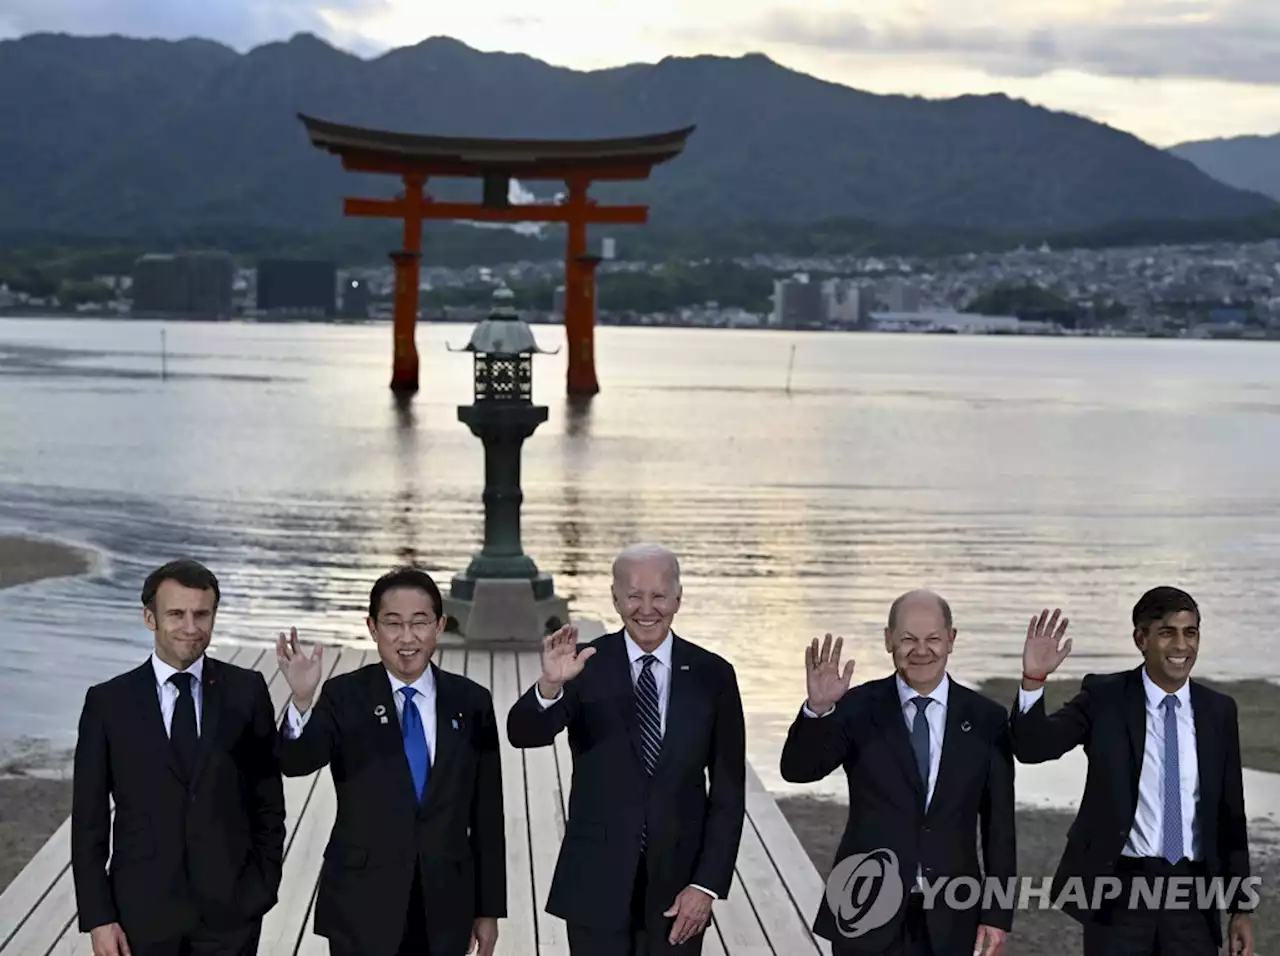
(1038, 680)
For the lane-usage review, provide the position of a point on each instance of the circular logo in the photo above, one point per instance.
(864, 891)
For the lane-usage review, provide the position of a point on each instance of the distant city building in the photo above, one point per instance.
(900, 296)
(801, 304)
(355, 298)
(197, 284)
(798, 304)
(300, 287)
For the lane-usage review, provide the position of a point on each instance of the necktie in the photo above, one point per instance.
(1172, 783)
(920, 741)
(415, 743)
(183, 737)
(650, 724)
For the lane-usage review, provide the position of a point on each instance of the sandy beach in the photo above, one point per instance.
(23, 560)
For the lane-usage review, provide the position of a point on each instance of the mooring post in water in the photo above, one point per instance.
(164, 357)
(790, 365)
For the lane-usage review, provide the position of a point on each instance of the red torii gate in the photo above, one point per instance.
(576, 163)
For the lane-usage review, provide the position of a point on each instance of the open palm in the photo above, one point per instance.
(301, 670)
(1041, 655)
(825, 682)
(561, 660)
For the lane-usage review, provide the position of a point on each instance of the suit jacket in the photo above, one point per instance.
(693, 828)
(867, 735)
(1108, 717)
(456, 836)
(224, 827)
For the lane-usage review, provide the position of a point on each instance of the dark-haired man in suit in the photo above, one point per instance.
(416, 861)
(185, 745)
(929, 767)
(1164, 796)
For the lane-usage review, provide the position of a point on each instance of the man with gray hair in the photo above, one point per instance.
(658, 739)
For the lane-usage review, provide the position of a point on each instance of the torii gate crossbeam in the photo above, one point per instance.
(576, 163)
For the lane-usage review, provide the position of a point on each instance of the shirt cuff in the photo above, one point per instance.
(714, 896)
(809, 713)
(294, 721)
(543, 701)
(1027, 698)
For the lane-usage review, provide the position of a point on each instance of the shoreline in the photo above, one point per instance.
(26, 559)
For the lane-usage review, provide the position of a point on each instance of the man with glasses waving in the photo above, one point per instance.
(416, 861)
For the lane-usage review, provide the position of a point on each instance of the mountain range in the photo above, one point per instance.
(112, 136)
(1246, 162)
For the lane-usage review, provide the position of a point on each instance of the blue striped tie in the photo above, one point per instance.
(1172, 783)
(650, 724)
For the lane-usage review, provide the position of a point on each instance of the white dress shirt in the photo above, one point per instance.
(424, 700)
(168, 691)
(1145, 837)
(661, 671)
(935, 715)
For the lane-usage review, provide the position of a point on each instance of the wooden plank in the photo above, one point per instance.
(546, 814)
(40, 901)
(285, 925)
(778, 915)
(524, 932)
(711, 945)
(804, 885)
(740, 931)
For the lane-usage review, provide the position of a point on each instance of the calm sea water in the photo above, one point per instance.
(1009, 474)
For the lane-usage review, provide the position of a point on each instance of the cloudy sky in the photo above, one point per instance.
(1167, 70)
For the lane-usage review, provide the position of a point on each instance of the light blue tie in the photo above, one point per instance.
(1172, 783)
(920, 741)
(415, 743)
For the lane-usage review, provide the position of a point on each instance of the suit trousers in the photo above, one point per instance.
(413, 942)
(646, 936)
(912, 941)
(202, 941)
(1121, 929)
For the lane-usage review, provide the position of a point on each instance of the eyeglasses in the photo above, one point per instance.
(419, 626)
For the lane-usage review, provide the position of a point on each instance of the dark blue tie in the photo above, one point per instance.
(920, 741)
(1172, 783)
(649, 719)
(415, 743)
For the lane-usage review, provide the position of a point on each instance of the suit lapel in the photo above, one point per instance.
(211, 691)
(1135, 719)
(378, 703)
(680, 692)
(956, 743)
(1208, 757)
(449, 728)
(151, 717)
(887, 715)
(617, 672)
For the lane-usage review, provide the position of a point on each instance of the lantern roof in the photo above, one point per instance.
(503, 332)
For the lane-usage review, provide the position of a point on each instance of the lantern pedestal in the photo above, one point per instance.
(502, 596)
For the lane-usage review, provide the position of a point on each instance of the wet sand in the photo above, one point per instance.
(23, 560)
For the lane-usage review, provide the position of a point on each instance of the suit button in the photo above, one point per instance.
(926, 829)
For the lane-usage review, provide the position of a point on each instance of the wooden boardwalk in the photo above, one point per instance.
(776, 888)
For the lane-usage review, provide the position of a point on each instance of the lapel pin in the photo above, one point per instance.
(965, 725)
(381, 713)
(684, 667)
(455, 723)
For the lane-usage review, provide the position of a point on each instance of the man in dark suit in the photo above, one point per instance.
(648, 845)
(416, 861)
(185, 745)
(1164, 796)
(928, 763)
